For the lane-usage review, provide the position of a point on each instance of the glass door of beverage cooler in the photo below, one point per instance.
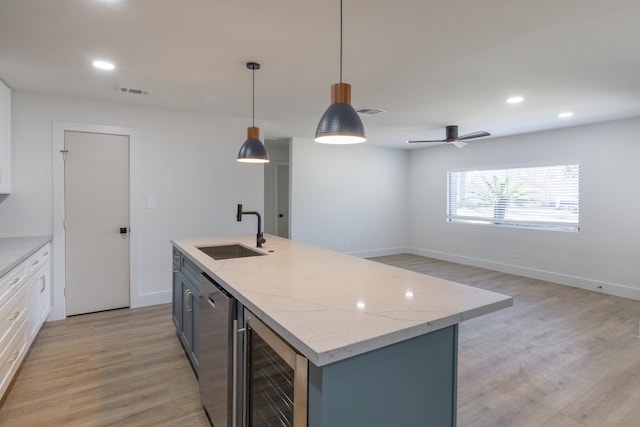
(275, 379)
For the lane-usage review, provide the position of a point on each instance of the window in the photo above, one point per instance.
(546, 197)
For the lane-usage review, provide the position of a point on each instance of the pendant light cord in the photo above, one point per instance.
(253, 98)
(340, 41)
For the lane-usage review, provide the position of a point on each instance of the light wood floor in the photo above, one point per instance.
(116, 368)
(561, 357)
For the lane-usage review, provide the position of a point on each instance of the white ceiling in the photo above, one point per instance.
(428, 63)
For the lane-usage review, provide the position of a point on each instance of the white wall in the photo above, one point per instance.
(604, 253)
(359, 199)
(185, 160)
(349, 198)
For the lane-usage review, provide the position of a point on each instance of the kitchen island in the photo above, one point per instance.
(381, 341)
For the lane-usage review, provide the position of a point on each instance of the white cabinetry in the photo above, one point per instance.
(13, 323)
(38, 291)
(5, 139)
(25, 301)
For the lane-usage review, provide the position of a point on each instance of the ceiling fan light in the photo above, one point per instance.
(459, 144)
(253, 150)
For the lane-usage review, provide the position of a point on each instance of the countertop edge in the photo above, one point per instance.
(14, 250)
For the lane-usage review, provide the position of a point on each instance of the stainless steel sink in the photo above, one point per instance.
(229, 251)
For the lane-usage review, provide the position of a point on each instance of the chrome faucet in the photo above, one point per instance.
(260, 237)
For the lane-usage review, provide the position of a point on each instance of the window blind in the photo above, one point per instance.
(544, 197)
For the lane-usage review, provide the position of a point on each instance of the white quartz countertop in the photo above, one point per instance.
(14, 250)
(331, 306)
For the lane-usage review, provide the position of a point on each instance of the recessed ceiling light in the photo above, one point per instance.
(565, 115)
(515, 100)
(103, 65)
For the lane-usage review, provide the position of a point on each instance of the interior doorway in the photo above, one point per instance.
(277, 182)
(96, 200)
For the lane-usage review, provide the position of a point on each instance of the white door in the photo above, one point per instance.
(283, 200)
(96, 185)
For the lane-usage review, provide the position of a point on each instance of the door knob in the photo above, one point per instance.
(280, 215)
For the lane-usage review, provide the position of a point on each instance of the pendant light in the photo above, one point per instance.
(253, 150)
(340, 124)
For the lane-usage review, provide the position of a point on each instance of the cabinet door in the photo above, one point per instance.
(186, 331)
(185, 307)
(190, 320)
(38, 300)
(176, 314)
(44, 280)
(195, 321)
(33, 307)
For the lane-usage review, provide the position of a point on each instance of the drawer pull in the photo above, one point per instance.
(176, 255)
(15, 315)
(187, 294)
(175, 270)
(13, 356)
(36, 262)
(44, 282)
(46, 253)
(15, 281)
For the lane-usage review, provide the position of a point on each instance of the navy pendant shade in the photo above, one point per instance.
(340, 123)
(253, 150)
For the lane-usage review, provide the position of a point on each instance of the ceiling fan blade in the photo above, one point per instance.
(473, 135)
(459, 143)
(433, 140)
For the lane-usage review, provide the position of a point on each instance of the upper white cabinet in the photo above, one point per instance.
(5, 139)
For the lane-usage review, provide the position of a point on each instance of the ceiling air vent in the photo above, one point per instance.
(369, 111)
(134, 91)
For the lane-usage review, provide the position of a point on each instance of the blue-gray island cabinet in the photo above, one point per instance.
(411, 383)
(381, 342)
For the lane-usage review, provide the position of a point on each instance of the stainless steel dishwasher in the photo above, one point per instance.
(216, 338)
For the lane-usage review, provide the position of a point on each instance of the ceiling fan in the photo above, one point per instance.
(453, 138)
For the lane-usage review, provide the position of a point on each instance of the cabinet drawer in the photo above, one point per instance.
(190, 271)
(12, 356)
(11, 282)
(38, 259)
(12, 314)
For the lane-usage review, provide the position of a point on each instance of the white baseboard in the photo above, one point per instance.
(380, 252)
(550, 276)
